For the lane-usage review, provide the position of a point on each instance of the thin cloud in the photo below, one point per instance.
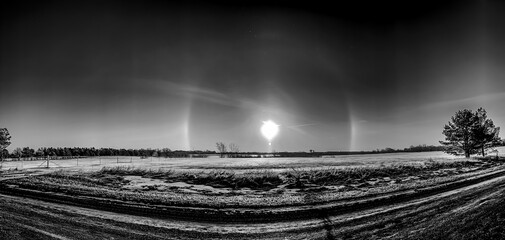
(479, 99)
(210, 95)
(302, 125)
(193, 92)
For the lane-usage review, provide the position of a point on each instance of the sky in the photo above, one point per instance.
(150, 74)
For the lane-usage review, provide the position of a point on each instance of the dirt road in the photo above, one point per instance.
(475, 211)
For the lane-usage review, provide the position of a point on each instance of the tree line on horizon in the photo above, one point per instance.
(412, 148)
(75, 152)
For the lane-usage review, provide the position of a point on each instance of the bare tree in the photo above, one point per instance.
(234, 149)
(221, 148)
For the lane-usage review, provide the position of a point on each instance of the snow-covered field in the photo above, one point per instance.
(97, 163)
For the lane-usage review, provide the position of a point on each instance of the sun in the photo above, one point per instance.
(269, 129)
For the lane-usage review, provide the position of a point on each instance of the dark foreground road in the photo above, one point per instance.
(470, 212)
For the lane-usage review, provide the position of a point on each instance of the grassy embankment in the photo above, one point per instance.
(266, 180)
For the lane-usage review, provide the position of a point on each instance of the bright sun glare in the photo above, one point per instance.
(269, 130)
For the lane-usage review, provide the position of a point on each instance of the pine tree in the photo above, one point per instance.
(470, 132)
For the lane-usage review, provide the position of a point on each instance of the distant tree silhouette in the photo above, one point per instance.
(221, 148)
(18, 152)
(27, 152)
(470, 132)
(5, 141)
(233, 148)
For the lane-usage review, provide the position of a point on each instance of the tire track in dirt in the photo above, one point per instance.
(52, 235)
(418, 210)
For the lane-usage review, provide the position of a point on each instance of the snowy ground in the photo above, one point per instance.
(96, 163)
